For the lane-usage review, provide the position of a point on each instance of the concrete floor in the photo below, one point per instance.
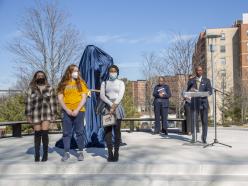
(146, 160)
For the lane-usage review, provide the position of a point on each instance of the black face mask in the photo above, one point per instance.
(40, 81)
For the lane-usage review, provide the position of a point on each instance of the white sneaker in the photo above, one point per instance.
(80, 156)
(66, 156)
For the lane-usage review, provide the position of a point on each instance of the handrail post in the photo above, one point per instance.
(131, 126)
(17, 130)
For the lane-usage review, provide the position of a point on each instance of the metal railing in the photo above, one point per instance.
(17, 125)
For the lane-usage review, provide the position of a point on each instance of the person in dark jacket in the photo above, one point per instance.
(161, 95)
(187, 101)
(201, 84)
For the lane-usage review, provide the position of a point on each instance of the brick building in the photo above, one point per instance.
(230, 58)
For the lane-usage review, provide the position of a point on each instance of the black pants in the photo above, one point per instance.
(160, 111)
(117, 135)
(188, 116)
(204, 120)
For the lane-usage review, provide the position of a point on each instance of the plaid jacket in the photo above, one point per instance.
(41, 106)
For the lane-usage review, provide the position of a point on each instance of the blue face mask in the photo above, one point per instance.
(113, 76)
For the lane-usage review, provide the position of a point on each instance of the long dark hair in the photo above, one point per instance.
(67, 77)
(33, 83)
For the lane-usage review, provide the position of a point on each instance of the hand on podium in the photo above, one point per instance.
(194, 90)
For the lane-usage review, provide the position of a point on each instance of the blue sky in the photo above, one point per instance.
(125, 29)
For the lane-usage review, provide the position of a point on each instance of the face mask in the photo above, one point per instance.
(113, 76)
(40, 81)
(74, 75)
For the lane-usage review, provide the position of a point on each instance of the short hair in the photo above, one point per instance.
(115, 67)
(198, 66)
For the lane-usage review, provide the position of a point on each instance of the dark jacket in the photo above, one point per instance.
(205, 86)
(165, 99)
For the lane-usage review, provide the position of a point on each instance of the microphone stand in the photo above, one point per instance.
(215, 125)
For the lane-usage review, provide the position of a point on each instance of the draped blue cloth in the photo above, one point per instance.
(93, 67)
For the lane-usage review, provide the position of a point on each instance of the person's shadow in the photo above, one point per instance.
(102, 152)
(31, 150)
(59, 147)
(176, 136)
(95, 148)
(61, 151)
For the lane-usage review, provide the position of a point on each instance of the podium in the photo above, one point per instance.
(196, 94)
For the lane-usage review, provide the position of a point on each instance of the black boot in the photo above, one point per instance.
(37, 140)
(45, 141)
(110, 155)
(164, 131)
(116, 154)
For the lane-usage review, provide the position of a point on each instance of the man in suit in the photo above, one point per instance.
(200, 84)
(161, 95)
(187, 113)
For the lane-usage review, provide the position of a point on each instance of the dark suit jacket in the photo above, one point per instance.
(164, 100)
(205, 86)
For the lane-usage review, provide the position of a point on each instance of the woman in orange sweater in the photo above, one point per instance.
(72, 93)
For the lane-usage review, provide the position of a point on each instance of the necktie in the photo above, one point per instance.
(198, 84)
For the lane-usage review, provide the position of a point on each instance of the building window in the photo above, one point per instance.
(223, 37)
(222, 48)
(223, 77)
(247, 33)
(223, 72)
(223, 85)
(246, 46)
(247, 58)
(223, 60)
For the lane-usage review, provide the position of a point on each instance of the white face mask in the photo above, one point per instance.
(113, 75)
(74, 75)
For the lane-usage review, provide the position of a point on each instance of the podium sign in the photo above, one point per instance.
(196, 94)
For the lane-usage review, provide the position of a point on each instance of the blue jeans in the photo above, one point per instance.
(69, 123)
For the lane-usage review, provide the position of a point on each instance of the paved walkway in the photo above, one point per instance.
(146, 160)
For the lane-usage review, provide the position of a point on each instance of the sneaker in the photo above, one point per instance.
(80, 156)
(192, 141)
(66, 156)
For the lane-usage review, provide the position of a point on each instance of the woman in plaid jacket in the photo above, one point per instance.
(41, 107)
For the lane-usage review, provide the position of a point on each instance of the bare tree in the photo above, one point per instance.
(177, 60)
(46, 42)
(178, 56)
(150, 72)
